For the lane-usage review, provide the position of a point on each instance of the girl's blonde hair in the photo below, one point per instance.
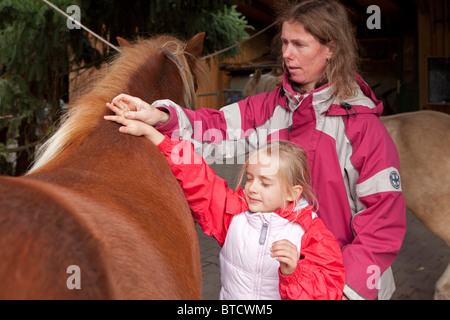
(329, 23)
(293, 168)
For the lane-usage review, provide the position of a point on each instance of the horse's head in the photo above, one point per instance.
(162, 67)
(262, 82)
(252, 84)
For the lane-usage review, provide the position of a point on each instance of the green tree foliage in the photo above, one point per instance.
(224, 26)
(38, 50)
(34, 67)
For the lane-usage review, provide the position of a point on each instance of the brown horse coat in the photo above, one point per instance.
(104, 201)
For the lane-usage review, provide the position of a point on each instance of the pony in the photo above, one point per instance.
(422, 139)
(260, 82)
(100, 214)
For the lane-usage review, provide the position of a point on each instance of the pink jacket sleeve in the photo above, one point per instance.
(380, 223)
(234, 121)
(212, 203)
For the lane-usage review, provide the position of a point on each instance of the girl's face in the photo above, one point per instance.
(305, 57)
(263, 190)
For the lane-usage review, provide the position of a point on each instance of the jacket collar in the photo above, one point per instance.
(295, 98)
(325, 103)
(300, 212)
(364, 102)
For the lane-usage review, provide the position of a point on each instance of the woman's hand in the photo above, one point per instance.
(286, 253)
(136, 109)
(137, 128)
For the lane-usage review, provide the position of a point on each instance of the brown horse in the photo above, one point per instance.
(100, 215)
(423, 142)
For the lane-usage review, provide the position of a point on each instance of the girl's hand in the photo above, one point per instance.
(286, 253)
(134, 108)
(137, 128)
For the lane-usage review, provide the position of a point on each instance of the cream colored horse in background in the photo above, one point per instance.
(423, 142)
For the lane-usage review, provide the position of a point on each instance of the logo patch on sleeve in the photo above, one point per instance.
(394, 178)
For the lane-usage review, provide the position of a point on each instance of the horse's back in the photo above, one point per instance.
(40, 239)
(423, 142)
(432, 122)
(45, 228)
(422, 137)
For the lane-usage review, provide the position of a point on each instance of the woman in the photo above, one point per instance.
(326, 108)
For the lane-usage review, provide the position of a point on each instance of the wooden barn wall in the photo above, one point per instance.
(434, 41)
(219, 80)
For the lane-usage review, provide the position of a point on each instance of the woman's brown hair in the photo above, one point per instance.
(328, 21)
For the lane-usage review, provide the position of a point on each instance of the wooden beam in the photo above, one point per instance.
(258, 16)
(423, 7)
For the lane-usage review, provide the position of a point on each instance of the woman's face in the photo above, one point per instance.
(304, 56)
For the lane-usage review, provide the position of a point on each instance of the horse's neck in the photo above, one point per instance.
(106, 159)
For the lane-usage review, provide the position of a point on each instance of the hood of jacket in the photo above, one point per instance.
(364, 102)
(301, 212)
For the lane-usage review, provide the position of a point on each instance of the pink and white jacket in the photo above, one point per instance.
(353, 160)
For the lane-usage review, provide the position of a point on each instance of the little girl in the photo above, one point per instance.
(273, 244)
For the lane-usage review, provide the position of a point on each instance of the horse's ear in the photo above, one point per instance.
(257, 75)
(123, 43)
(195, 44)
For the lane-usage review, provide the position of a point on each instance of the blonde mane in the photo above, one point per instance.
(86, 112)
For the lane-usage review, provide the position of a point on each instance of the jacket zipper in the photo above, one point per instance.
(262, 241)
(263, 234)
